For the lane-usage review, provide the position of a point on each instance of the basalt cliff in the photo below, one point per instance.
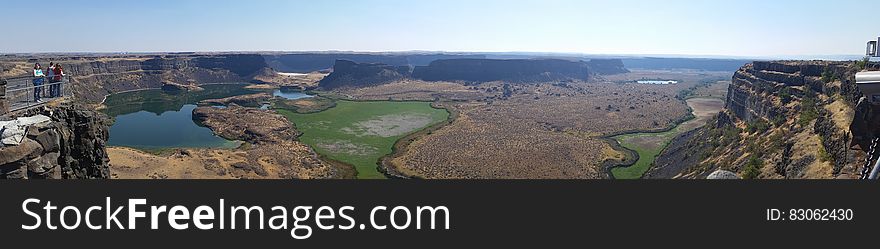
(68, 143)
(782, 119)
(520, 70)
(349, 73)
(353, 74)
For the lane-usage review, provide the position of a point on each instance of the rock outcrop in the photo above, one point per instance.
(747, 95)
(304, 63)
(71, 145)
(274, 150)
(782, 119)
(518, 70)
(249, 100)
(607, 66)
(94, 77)
(351, 74)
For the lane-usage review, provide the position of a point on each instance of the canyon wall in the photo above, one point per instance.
(607, 66)
(351, 74)
(69, 145)
(305, 62)
(782, 119)
(655, 63)
(93, 79)
(485, 70)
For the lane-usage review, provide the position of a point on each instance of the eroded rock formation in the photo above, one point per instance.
(782, 119)
(94, 77)
(351, 74)
(607, 66)
(71, 145)
(274, 150)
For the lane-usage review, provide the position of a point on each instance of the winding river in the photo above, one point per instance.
(649, 144)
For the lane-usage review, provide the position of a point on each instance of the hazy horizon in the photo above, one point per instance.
(731, 29)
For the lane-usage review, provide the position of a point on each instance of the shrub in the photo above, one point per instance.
(753, 168)
(828, 76)
(824, 156)
(759, 126)
(808, 110)
(863, 63)
(785, 95)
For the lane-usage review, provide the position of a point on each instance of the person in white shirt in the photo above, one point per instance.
(39, 77)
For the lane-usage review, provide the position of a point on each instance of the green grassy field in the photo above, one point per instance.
(650, 144)
(647, 152)
(359, 133)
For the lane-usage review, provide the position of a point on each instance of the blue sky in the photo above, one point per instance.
(695, 27)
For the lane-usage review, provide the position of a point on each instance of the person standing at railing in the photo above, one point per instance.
(39, 77)
(55, 89)
(50, 75)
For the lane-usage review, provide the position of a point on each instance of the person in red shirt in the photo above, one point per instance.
(55, 89)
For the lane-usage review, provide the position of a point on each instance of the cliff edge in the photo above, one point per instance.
(782, 119)
(64, 141)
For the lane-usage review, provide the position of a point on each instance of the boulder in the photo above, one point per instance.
(46, 162)
(27, 148)
(723, 175)
(49, 139)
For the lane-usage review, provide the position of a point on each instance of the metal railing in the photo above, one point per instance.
(26, 92)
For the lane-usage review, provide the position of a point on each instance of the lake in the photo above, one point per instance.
(156, 119)
(290, 94)
(657, 82)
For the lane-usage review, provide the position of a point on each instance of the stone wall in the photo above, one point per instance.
(70, 146)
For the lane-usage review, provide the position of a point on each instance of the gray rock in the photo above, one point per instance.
(44, 163)
(16, 170)
(49, 139)
(723, 175)
(27, 148)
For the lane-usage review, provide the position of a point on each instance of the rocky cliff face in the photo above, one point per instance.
(69, 146)
(607, 66)
(782, 119)
(92, 79)
(352, 74)
(304, 63)
(486, 70)
(755, 86)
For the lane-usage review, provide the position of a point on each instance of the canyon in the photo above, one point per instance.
(781, 119)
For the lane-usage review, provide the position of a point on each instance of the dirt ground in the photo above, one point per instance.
(390, 125)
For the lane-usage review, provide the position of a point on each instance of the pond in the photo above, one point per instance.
(290, 94)
(657, 82)
(156, 119)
